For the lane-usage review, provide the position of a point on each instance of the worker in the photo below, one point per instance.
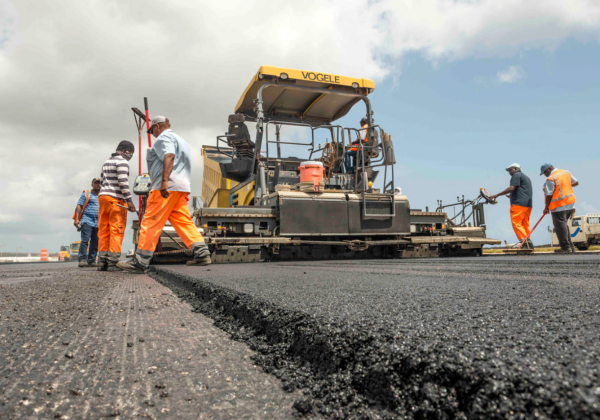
(86, 220)
(520, 193)
(560, 202)
(350, 155)
(169, 165)
(398, 191)
(112, 218)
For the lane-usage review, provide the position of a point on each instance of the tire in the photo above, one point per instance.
(583, 247)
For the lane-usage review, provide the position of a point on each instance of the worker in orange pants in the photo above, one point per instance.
(520, 193)
(174, 209)
(519, 216)
(169, 166)
(112, 218)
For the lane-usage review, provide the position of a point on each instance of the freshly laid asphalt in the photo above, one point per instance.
(477, 338)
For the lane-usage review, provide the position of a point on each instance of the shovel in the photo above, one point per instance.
(525, 251)
(531, 231)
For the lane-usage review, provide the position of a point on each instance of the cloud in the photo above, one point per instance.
(453, 30)
(585, 208)
(71, 70)
(510, 75)
(9, 36)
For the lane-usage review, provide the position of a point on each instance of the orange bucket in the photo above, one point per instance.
(311, 171)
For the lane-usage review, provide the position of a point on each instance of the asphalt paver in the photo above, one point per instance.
(77, 343)
(468, 338)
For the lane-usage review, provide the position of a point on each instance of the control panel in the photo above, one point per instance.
(142, 185)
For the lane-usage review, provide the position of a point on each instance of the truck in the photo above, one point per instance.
(65, 253)
(74, 254)
(257, 204)
(584, 230)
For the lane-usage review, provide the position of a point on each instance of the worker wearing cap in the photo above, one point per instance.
(112, 218)
(350, 155)
(560, 202)
(520, 193)
(169, 165)
(86, 220)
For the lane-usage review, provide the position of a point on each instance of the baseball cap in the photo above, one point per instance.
(96, 180)
(513, 165)
(544, 167)
(156, 120)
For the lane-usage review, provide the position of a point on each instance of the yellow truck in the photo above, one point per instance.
(64, 253)
(74, 251)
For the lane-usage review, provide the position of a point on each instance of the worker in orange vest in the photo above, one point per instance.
(350, 155)
(560, 202)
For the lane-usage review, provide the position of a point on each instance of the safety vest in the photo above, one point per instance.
(366, 136)
(88, 194)
(563, 191)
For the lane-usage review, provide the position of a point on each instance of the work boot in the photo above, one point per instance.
(529, 244)
(132, 267)
(563, 251)
(200, 261)
(82, 264)
(93, 264)
(201, 255)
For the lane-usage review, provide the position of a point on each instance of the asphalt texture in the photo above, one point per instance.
(78, 344)
(465, 338)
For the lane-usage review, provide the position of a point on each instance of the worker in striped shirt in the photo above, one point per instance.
(112, 219)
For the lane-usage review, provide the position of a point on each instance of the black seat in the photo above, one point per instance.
(239, 137)
(373, 152)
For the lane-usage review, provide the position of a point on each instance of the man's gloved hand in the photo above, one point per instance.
(131, 207)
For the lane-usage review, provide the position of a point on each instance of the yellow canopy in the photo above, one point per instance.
(283, 102)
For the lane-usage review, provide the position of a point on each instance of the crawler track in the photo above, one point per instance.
(477, 338)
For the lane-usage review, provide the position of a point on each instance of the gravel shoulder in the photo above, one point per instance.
(77, 343)
(515, 337)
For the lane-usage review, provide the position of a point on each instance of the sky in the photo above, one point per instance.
(464, 87)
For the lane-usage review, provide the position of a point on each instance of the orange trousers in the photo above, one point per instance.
(519, 216)
(111, 228)
(175, 210)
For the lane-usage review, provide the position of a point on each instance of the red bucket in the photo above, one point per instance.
(311, 171)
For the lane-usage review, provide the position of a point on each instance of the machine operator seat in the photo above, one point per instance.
(373, 152)
(239, 139)
(239, 136)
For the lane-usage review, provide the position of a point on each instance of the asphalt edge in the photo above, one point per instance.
(344, 373)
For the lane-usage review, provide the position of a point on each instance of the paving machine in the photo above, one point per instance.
(265, 205)
(267, 212)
